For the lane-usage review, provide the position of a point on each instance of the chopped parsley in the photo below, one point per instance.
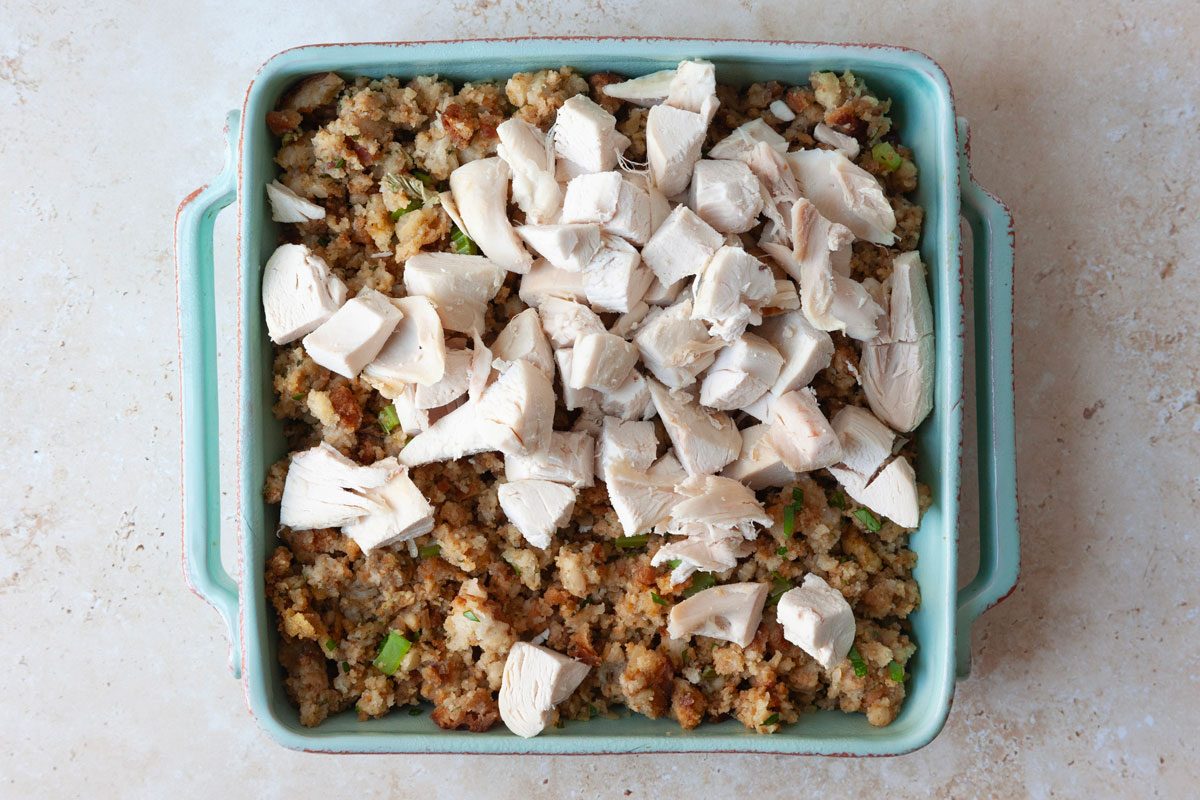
(779, 586)
(400, 212)
(423, 176)
(341, 162)
(869, 520)
(632, 542)
(782, 551)
(674, 563)
(657, 598)
(330, 645)
(700, 582)
(856, 661)
(797, 496)
(471, 615)
(395, 648)
(771, 720)
(838, 500)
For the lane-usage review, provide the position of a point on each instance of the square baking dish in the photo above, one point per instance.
(923, 111)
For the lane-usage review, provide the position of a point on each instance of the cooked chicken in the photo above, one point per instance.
(630, 400)
(514, 415)
(641, 500)
(480, 191)
(731, 291)
(546, 280)
(675, 347)
(730, 612)
(601, 361)
(523, 340)
(800, 433)
(782, 111)
(893, 494)
(416, 350)
(619, 205)
(660, 294)
(585, 135)
(726, 195)
(299, 293)
(413, 420)
(704, 440)
(758, 465)
(627, 322)
(745, 137)
(694, 88)
(631, 443)
(536, 508)
(817, 619)
(695, 554)
(844, 193)
(399, 512)
(786, 298)
(648, 90)
(287, 206)
(567, 247)
(565, 321)
(866, 443)
(805, 350)
(354, 335)
(535, 680)
(460, 286)
(742, 373)
(846, 145)
(615, 279)
(453, 384)
(569, 459)
(482, 368)
(681, 246)
(529, 154)
(897, 367)
(324, 489)
(673, 141)
(713, 507)
(586, 399)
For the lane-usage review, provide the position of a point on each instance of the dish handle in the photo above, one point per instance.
(999, 546)
(201, 523)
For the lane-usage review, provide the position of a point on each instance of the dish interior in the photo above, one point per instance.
(923, 114)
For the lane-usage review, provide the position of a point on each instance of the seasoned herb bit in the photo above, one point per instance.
(657, 598)
(471, 615)
(415, 711)
(869, 520)
(856, 661)
(782, 551)
(797, 496)
(330, 645)
(789, 521)
(341, 162)
(886, 156)
(395, 648)
(771, 720)
(632, 542)
(700, 582)
(838, 500)
(592, 711)
(708, 674)
(674, 563)
(298, 396)
(346, 666)
(461, 243)
(400, 212)
(896, 671)
(429, 551)
(389, 420)
(423, 176)
(779, 586)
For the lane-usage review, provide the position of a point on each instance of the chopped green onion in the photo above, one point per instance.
(429, 551)
(298, 396)
(415, 711)
(421, 175)
(708, 674)
(345, 666)
(886, 156)
(416, 636)
(896, 671)
(587, 601)
(779, 586)
(400, 212)
(389, 420)
(700, 582)
(838, 500)
(395, 648)
(789, 521)
(856, 661)
(461, 243)
(771, 720)
(868, 519)
(341, 162)
(657, 598)
(632, 542)
(782, 551)
(471, 615)
(330, 645)
(797, 496)
(592, 711)
(674, 563)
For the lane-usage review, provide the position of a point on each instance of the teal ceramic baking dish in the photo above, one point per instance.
(923, 110)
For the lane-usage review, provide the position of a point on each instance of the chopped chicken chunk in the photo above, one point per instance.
(523, 340)
(892, 494)
(460, 286)
(546, 280)
(480, 190)
(631, 443)
(731, 291)
(704, 440)
(630, 400)
(354, 335)
(535, 680)
(536, 508)
(601, 361)
(586, 399)
(742, 373)
(416, 350)
(675, 347)
(866, 442)
(453, 384)
(586, 136)
(641, 500)
(758, 464)
(817, 619)
(615, 279)
(324, 489)
(673, 141)
(846, 145)
(567, 247)
(730, 612)
(565, 321)
(530, 158)
(743, 138)
(568, 459)
(800, 433)
(681, 246)
(694, 88)
(695, 554)
(299, 293)
(844, 193)
(400, 512)
(712, 507)
(726, 195)
(805, 350)
(648, 90)
(619, 205)
(287, 206)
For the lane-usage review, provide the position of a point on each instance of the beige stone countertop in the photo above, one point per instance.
(113, 678)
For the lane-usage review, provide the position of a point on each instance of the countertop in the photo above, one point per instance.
(113, 676)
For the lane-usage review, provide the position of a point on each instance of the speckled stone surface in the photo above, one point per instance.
(1087, 680)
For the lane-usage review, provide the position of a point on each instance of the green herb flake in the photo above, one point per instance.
(346, 667)
(593, 712)
(330, 645)
(632, 542)
(415, 711)
(298, 396)
(408, 209)
(423, 176)
(779, 586)
(838, 500)
(341, 162)
(471, 615)
(886, 156)
(856, 661)
(389, 420)
(461, 243)
(416, 636)
(674, 563)
(782, 551)
(429, 551)
(708, 674)
(797, 496)
(395, 648)
(700, 582)
(771, 720)
(869, 520)
(789, 521)
(896, 671)
(657, 598)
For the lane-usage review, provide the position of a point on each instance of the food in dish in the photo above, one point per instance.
(595, 392)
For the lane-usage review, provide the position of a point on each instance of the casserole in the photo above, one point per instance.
(924, 115)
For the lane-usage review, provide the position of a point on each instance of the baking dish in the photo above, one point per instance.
(924, 114)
